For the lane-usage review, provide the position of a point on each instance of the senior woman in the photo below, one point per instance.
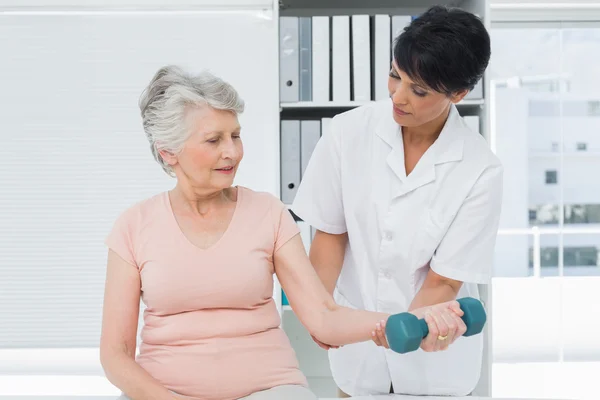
(202, 257)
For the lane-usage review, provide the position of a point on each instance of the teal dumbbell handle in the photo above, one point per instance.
(404, 331)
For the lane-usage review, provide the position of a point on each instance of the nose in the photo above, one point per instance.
(400, 94)
(230, 149)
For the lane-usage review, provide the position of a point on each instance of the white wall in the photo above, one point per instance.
(79, 4)
(512, 149)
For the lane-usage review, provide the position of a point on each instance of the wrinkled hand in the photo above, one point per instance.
(444, 323)
(323, 345)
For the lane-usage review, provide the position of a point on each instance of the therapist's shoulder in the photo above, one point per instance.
(477, 151)
(353, 123)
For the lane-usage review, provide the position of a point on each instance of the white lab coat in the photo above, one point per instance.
(443, 216)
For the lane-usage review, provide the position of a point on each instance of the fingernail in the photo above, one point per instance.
(373, 333)
(378, 325)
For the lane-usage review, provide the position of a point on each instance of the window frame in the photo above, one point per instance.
(543, 16)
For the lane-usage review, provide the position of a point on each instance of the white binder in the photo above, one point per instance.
(289, 60)
(382, 56)
(306, 64)
(321, 60)
(341, 58)
(290, 160)
(399, 22)
(361, 57)
(310, 133)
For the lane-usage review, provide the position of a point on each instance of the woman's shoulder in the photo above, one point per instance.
(258, 198)
(139, 210)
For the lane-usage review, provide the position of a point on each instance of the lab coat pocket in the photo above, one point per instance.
(429, 238)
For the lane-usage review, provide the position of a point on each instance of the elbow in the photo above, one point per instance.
(107, 359)
(111, 356)
(322, 327)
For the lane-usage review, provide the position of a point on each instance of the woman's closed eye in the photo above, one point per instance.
(217, 139)
(420, 93)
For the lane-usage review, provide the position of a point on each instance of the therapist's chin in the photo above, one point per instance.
(405, 119)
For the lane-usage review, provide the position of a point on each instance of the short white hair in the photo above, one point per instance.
(164, 102)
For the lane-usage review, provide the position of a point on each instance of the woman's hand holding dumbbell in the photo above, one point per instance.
(444, 323)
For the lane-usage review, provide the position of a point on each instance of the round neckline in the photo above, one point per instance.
(180, 232)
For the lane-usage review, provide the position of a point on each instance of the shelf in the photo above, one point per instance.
(349, 7)
(353, 104)
(304, 105)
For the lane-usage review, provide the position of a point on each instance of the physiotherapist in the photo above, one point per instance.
(406, 200)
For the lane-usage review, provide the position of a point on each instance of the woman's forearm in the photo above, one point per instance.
(123, 372)
(342, 325)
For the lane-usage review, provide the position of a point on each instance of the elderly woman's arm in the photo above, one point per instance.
(314, 305)
(119, 329)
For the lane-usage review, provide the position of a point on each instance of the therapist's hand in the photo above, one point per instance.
(444, 323)
(378, 335)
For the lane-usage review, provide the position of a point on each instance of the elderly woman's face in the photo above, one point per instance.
(415, 105)
(213, 151)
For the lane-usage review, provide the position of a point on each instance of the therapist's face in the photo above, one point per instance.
(415, 104)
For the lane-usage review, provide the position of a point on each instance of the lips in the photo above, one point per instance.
(399, 111)
(225, 169)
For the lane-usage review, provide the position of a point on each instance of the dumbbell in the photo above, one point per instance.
(404, 331)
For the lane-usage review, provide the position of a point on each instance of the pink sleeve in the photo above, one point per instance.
(121, 237)
(285, 226)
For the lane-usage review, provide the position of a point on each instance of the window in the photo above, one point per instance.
(594, 108)
(573, 257)
(551, 177)
(582, 214)
(553, 114)
(547, 214)
(532, 216)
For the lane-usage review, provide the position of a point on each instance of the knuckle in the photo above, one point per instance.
(433, 329)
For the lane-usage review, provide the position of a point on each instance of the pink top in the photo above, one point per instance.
(211, 327)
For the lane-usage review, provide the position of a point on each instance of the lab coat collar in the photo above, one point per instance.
(448, 147)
